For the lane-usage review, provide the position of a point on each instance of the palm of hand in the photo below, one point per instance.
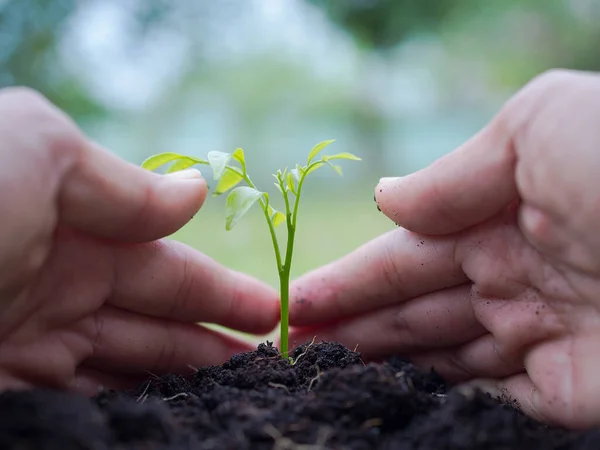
(511, 297)
(482, 305)
(536, 323)
(53, 322)
(90, 293)
(96, 313)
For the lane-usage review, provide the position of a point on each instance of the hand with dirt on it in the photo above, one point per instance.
(493, 276)
(90, 293)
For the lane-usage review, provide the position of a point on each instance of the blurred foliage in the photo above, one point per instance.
(518, 38)
(30, 33)
(383, 24)
(274, 99)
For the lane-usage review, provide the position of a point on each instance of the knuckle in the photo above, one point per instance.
(391, 269)
(178, 307)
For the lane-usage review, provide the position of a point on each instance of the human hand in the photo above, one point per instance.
(494, 275)
(89, 293)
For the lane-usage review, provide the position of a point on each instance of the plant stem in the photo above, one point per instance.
(284, 292)
(263, 204)
(284, 276)
(283, 269)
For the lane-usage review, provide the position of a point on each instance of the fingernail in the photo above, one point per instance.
(388, 179)
(187, 174)
(387, 182)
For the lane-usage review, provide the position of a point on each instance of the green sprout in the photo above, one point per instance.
(229, 169)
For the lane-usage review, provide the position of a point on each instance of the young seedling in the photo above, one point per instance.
(229, 170)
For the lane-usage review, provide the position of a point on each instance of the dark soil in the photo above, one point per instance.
(328, 400)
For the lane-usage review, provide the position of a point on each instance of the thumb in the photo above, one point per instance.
(459, 190)
(111, 198)
(52, 173)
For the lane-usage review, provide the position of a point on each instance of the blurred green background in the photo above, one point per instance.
(397, 82)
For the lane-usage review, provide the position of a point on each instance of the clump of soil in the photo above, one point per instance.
(329, 399)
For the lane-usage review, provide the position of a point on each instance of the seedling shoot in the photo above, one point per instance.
(229, 170)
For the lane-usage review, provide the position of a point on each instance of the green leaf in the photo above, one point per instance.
(218, 162)
(318, 148)
(155, 161)
(238, 203)
(227, 181)
(343, 155)
(278, 188)
(183, 163)
(238, 155)
(290, 182)
(277, 217)
(297, 172)
(314, 167)
(338, 169)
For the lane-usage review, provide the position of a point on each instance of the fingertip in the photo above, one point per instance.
(111, 198)
(181, 195)
(170, 203)
(387, 194)
(187, 174)
(458, 190)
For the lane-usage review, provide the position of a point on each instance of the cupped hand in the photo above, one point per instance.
(90, 295)
(494, 274)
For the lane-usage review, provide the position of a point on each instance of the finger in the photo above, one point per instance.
(109, 197)
(478, 179)
(389, 270)
(167, 279)
(479, 358)
(514, 325)
(552, 178)
(128, 343)
(461, 189)
(517, 390)
(91, 188)
(472, 183)
(439, 320)
(561, 385)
